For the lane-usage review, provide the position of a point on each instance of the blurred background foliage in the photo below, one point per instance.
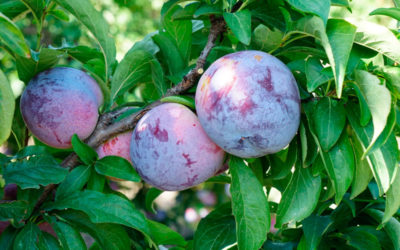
(131, 21)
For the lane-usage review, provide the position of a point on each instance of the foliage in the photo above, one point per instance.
(339, 178)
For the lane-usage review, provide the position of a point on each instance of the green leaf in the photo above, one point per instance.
(341, 37)
(314, 227)
(344, 3)
(60, 14)
(93, 20)
(27, 238)
(181, 33)
(37, 8)
(392, 75)
(34, 171)
(12, 8)
(7, 238)
(378, 99)
(28, 68)
(316, 74)
(362, 240)
(7, 106)
(392, 199)
(240, 24)
(392, 227)
(391, 12)
(251, 211)
(319, 8)
(96, 181)
(365, 114)
(339, 163)
(12, 37)
(267, 39)
(362, 173)
(109, 236)
(170, 53)
(299, 198)
(117, 167)
(151, 195)
(329, 120)
(181, 99)
(16, 210)
(217, 230)
(69, 237)
(378, 38)
(163, 235)
(75, 181)
(206, 10)
(136, 67)
(87, 154)
(383, 161)
(48, 242)
(104, 208)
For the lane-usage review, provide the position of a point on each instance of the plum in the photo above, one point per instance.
(60, 102)
(118, 145)
(171, 151)
(248, 103)
(10, 192)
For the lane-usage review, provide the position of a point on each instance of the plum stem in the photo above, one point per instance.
(106, 129)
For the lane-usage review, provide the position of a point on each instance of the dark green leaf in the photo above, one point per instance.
(391, 12)
(240, 24)
(12, 8)
(151, 195)
(205, 10)
(319, 8)
(117, 167)
(87, 154)
(28, 68)
(365, 114)
(170, 53)
(48, 242)
(109, 236)
(251, 211)
(137, 66)
(74, 181)
(27, 238)
(299, 198)
(329, 120)
(12, 37)
(163, 235)
(96, 181)
(341, 36)
(103, 208)
(316, 74)
(7, 238)
(7, 105)
(378, 38)
(314, 227)
(16, 210)
(383, 160)
(181, 33)
(378, 99)
(392, 199)
(344, 3)
(362, 240)
(37, 8)
(93, 20)
(392, 227)
(34, 171)
(68, 236)
(362, 173)
(60, 14)
(217, 230)
(392, 75)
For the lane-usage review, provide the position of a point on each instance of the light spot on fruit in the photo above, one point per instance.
(258, 57)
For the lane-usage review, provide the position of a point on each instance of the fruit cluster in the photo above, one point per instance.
(247, 104)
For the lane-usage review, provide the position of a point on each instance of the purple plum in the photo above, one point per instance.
(118, 146)
(248, 103)
(171, 151)
(10, 192)
(60, 102)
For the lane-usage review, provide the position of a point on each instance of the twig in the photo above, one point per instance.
(105, 129)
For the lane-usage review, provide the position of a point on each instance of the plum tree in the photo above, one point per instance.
(248, 103)
(171, 151)
(60, 102)
(118, 145)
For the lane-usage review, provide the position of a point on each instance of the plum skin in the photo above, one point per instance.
(171, 151)
(119, 145)
(60, 102)
(248, 103)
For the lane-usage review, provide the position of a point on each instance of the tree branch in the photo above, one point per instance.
(106, 129)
